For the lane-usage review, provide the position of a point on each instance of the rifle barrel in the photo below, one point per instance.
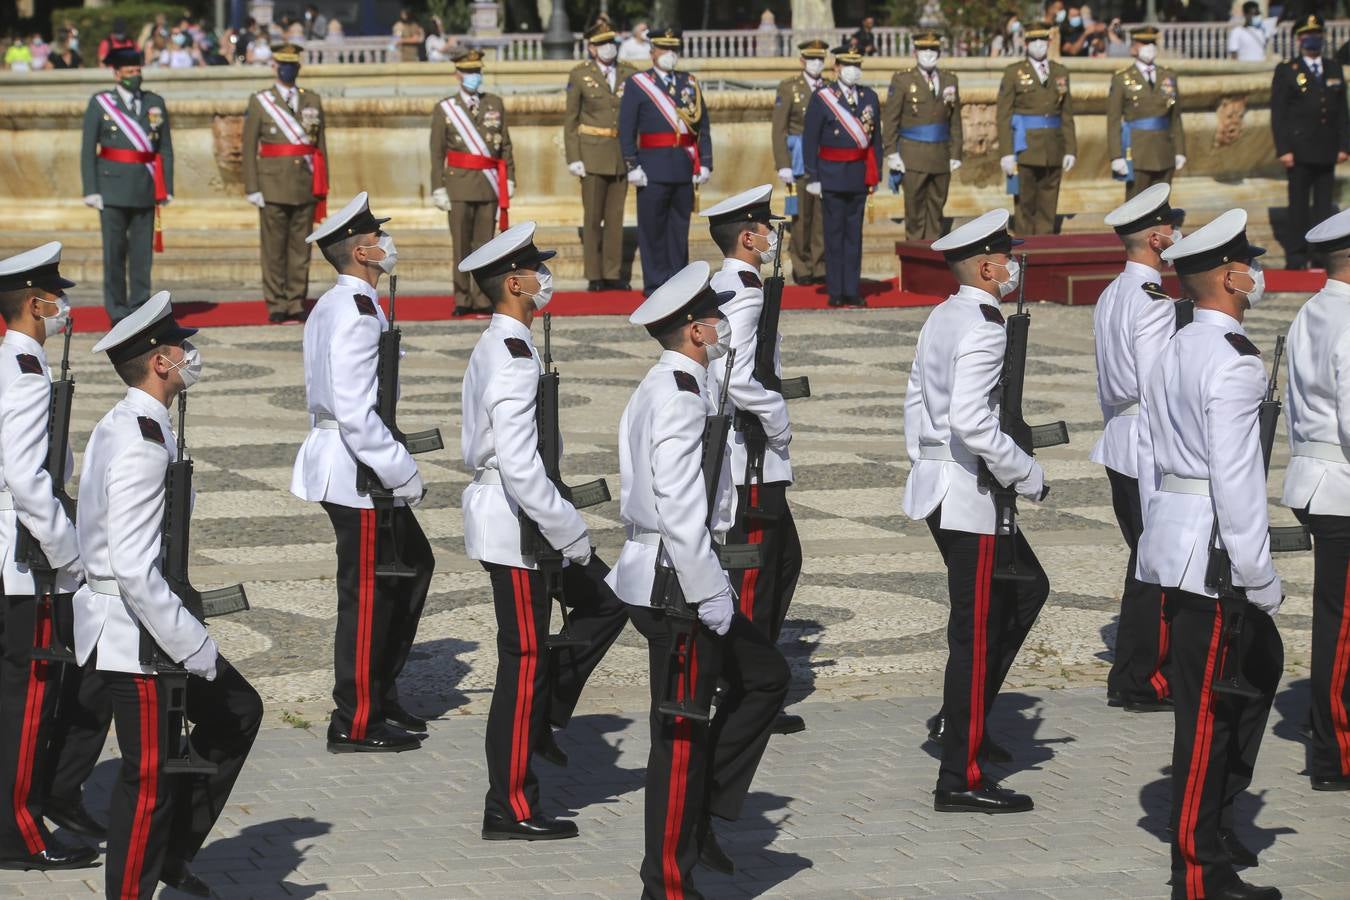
(393, 297)
(1021, 282)
(182, 419)
(548, 340)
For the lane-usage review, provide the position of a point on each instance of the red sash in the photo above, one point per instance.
(154, 160)
(456, 160)
(320, 164)
(854, 154)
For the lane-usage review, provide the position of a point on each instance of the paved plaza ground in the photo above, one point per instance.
(842, 810)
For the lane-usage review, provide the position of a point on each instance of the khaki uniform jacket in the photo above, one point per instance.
(910, 101)
(489, 118)
(1021, 92)
(789, 115)
(282, 179)
(592, 105)
(1131, 98)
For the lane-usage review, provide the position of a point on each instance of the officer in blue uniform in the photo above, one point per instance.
(841, 149)
(667, 147)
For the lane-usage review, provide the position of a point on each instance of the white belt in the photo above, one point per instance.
(944, 453)
(1175, 484)
(653, 538)
(6, 499)
(1317, 450)
(326, 422)
(487, 476)
(1125, 409)
(106, 586)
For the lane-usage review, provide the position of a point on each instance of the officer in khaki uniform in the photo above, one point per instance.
(474, 173)
(1036, 133)
(789, 117)
(1144, 136)
(591, 145)
(921, 132)
(286, 177)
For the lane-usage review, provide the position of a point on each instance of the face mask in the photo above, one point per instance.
(850, 75)
(1258, 277)
(666, 61)
(58, 322)
(190, 366)
(131, 83)
(814, 67)
(723, 345)
(1014, 27)
(1253, 21)
(1014, 274)
(1037, 49)
(471, 82)
(180, 40)
(767, 255)
(1059, 16)
(1312, 44)
(607, 52)
(545, 292)
(288, 72)
(1148, 53)
(73, 43)
(385, 243)
(927, 58)
(1076, 22)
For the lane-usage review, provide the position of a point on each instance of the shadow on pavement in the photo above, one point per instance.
(275, 848)
(746, 841)
(444, 654)
(1155, 799)
(593, 775)
(1293, 712)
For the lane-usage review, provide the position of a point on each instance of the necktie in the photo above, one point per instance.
(609, 76)
(1041, 72)
(1317, 70)
(291, 100)
(1149, 73)
(933, 83)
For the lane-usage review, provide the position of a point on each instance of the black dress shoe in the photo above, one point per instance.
(711, 854)
(56, 856)
(1238, 855)
(549, 750)
(835, 301)
(1241, 890)
(937, 728)
(277, 318)
(618, 285)
(1331, 782)
(400, 718)
(595, 285)
(74, 817)
(988, 799)
(786, 723)
(1148, 706)
(1113, 698)
(855, 301)
(302, 316)
(461, 311)
(540, 828)
(380, 738)
(181, 878)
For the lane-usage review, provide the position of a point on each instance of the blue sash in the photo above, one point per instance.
(934, 133)
(794, 142)
(1155, 123)
(1021, 124)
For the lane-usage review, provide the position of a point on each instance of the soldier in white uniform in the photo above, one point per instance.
(500, 443)
(377, 614)
(155, 826)
(44, 760)
(950, 426)
(740, 226)
(1132, 321)
(1317, 487)
(694, 770)
(1200, 458)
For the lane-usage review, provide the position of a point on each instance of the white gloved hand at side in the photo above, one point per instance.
(411, 491)
(1068, 162)
(256, 198)
(1033, 486)
(510, 189)
(94, 200)
(75, 569)
(440, 198)
(1179, 162)
(781, 440)
(203, 661)
(1267, 598)
(786, 176)
(702, 176)
(577, 168)
(953, 164)
(717, 612)
(1119, 166)
(813, 188)
(579, 551)
(895, 163)
(1009, 165)
(637, 177)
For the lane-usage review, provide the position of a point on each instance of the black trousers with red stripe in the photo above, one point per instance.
(1329, 754)
(377, 615)
(1217, 736)
(1139, 671)
(695, 770)
(157, 818)
(987, 624)
(766, 592)
(53, 722)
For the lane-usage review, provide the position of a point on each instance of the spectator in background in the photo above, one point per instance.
(863, 40)
(1117, 41)
(40, 50)
(1077, 37)
(1008, 41)
(211, 54)
(1250, 40)
(18, 56)
(239, 41)
(316, 24)
(115, 39)
(180, 52)
(439, 48)
(408, 36)
(336, 33)
(260, 52)
(294, 30)
(636, 45)
(64, 55)
(1055, 14)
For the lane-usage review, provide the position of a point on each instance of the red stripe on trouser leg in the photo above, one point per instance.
(365, 611)
(1158, 680)
(1340, 721)
(679, 782)
(38, 672)
(750, 578)
(529, 660)
(979, 661)
(148, 793)
(1195, 777)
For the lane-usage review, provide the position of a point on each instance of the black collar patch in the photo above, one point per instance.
(519, 349)
(1241, 344)
(751, 280)
(1154, 290)
(991, 314)
(29, 364)
(364, 305)
(150, 429)
(686, 382)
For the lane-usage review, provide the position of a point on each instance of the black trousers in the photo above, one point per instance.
(533, 686)
(1306, 179)
(663, 212)
(155, 817)
(843, 216)
(53, 722)
(1330, 750)
(1139, 670)
(697, 769)
(377, 615)
(766, 591)
(1217, 736)
(987, 624)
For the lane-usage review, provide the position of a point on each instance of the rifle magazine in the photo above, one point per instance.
(741, 556)
(798, 388)
(1051, 434)
(424, 441)
(1289, 539)
(592, 493)
(224, 601)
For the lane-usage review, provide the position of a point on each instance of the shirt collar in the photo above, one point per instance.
(283, 90)
(514, 327)
(352, 281)
(1221, 319)
(128, 98)
(979, 295)
(1139, 270)
(738, 265)
(468, 98)
(25, 344)
(1310, 61)
(142, 402)
(677, 360)
(1333, 286)
(1143, 66)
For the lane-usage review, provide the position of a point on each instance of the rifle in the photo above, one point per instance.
(388, 561)
(27, 549)
(667, 595)
(1029, 438)
(1219, 571)
(532, 540)
(766, 373)
(181, 758)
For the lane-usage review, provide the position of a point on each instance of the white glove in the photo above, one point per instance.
(786, 176)
(1179, 162)
(813, 188)
(953, 164)
(256, 198)
(94, 200)
(75, 569)
(704, 173)
(895, 163)
(167, 200)
(1267, 598)
(1119, 166)
(717, 612)
(1009, 165)
(1033, 486)
(781, 440)
(203, 662)
(440, 198)
(579, 551)
(637, 177)
(577, 168)
(1068, 162)
(510, 189)
(411, 491)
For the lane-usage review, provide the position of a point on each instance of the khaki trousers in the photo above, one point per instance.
(808, 236)
(1038, 198)
(925, 197)
(285, 255)
(602, 199)
(472, 224)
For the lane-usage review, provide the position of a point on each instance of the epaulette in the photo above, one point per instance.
(750, 279)
(905, 71)
(686, 382)
(991, 314)
(150, 429)
(364, 305)
(29, 364)
(519, 349)
(1126, 70)
(1241, 344)
(1154, 290)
